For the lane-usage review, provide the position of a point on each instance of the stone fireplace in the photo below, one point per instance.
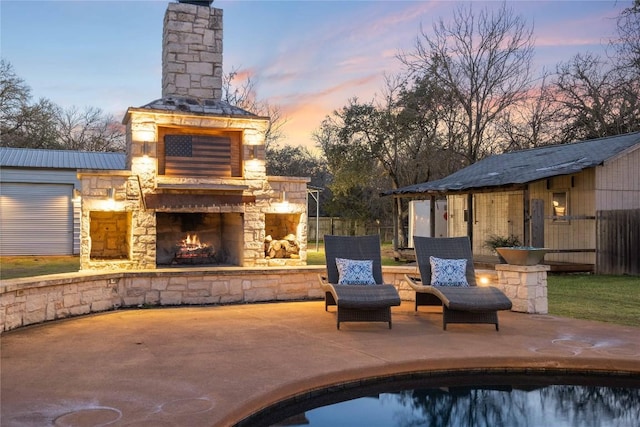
(195, 191)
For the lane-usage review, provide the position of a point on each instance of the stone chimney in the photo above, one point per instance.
(192, 51)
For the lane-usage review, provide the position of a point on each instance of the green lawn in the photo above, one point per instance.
(614, 299)
(317, 258)
(13, 267)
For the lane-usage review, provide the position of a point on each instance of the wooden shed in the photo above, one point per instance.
(580, 200)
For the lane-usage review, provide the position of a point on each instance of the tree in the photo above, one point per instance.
(483, 65)
(14, 96)
(46, 125)
(531, 124)
(38, 127)
(23, 124)
(89, 130)
(437, 118)
(596, 99)
(597, 96)
(243, 94)
(355, 175)
(627, 45)
(391, 141)
(296, 161)
(428, 147)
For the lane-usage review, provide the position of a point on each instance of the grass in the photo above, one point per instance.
(613, 299)
(14, 267)
(317, 258)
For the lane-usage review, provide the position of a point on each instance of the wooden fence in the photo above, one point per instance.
(344, 227)
(618, 242)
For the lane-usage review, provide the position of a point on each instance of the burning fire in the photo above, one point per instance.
(191, 241)
(192, 248)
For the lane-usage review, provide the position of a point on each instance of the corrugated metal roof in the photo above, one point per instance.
(521, 167)
(60, 159)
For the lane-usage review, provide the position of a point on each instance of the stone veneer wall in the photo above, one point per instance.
(34, 300)
(192, 52)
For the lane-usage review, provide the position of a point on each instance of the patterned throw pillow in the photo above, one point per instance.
(355, 272)
(448, 272)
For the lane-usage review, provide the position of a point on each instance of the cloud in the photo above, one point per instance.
(305, 111)
(359, 40)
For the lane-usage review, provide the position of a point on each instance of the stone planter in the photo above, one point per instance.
(522, 256)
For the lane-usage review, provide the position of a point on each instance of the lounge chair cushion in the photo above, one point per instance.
(365, 297)
(355, 272)
(448, 272)
(473, 298)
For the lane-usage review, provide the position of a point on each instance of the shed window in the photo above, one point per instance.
(560, 206)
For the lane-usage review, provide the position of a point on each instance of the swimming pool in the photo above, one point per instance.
(526, 398)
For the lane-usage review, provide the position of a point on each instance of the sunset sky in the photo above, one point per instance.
(307, 57)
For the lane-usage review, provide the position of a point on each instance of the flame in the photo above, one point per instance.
(191, 248)
(193, 240)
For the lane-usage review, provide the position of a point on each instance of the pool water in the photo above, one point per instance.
(466, 399)
(557, 406)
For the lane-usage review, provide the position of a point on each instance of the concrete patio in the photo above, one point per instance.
(215, 365)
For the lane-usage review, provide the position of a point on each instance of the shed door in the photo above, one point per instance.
(36, 219)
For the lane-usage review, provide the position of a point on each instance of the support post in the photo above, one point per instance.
(470, 216)
(537, 223)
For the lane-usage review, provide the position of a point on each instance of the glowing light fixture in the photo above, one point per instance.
(111, 193)
(283, 205)
(253, 152)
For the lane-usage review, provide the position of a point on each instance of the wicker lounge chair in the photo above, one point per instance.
(472, 304)
(357, 303)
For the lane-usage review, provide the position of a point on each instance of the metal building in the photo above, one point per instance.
(38, 212)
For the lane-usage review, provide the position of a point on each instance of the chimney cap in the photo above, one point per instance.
(197, 2)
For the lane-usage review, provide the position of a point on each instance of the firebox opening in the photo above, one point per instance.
(281, 240)
(199, 238)
(109, 232)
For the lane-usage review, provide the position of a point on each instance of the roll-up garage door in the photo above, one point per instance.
(36, 219)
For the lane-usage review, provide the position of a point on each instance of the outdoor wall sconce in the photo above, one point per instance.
(111, 193)
(76, 195)
(144, 138)
(253, 152)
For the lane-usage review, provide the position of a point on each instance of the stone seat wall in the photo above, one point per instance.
(40, 299)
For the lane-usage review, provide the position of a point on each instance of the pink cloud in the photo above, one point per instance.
(305, 111)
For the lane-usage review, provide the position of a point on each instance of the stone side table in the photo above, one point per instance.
(525, 286)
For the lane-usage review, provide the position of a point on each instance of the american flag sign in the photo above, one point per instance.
(197, 155)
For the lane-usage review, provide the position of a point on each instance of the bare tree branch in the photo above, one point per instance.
(483, 63)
